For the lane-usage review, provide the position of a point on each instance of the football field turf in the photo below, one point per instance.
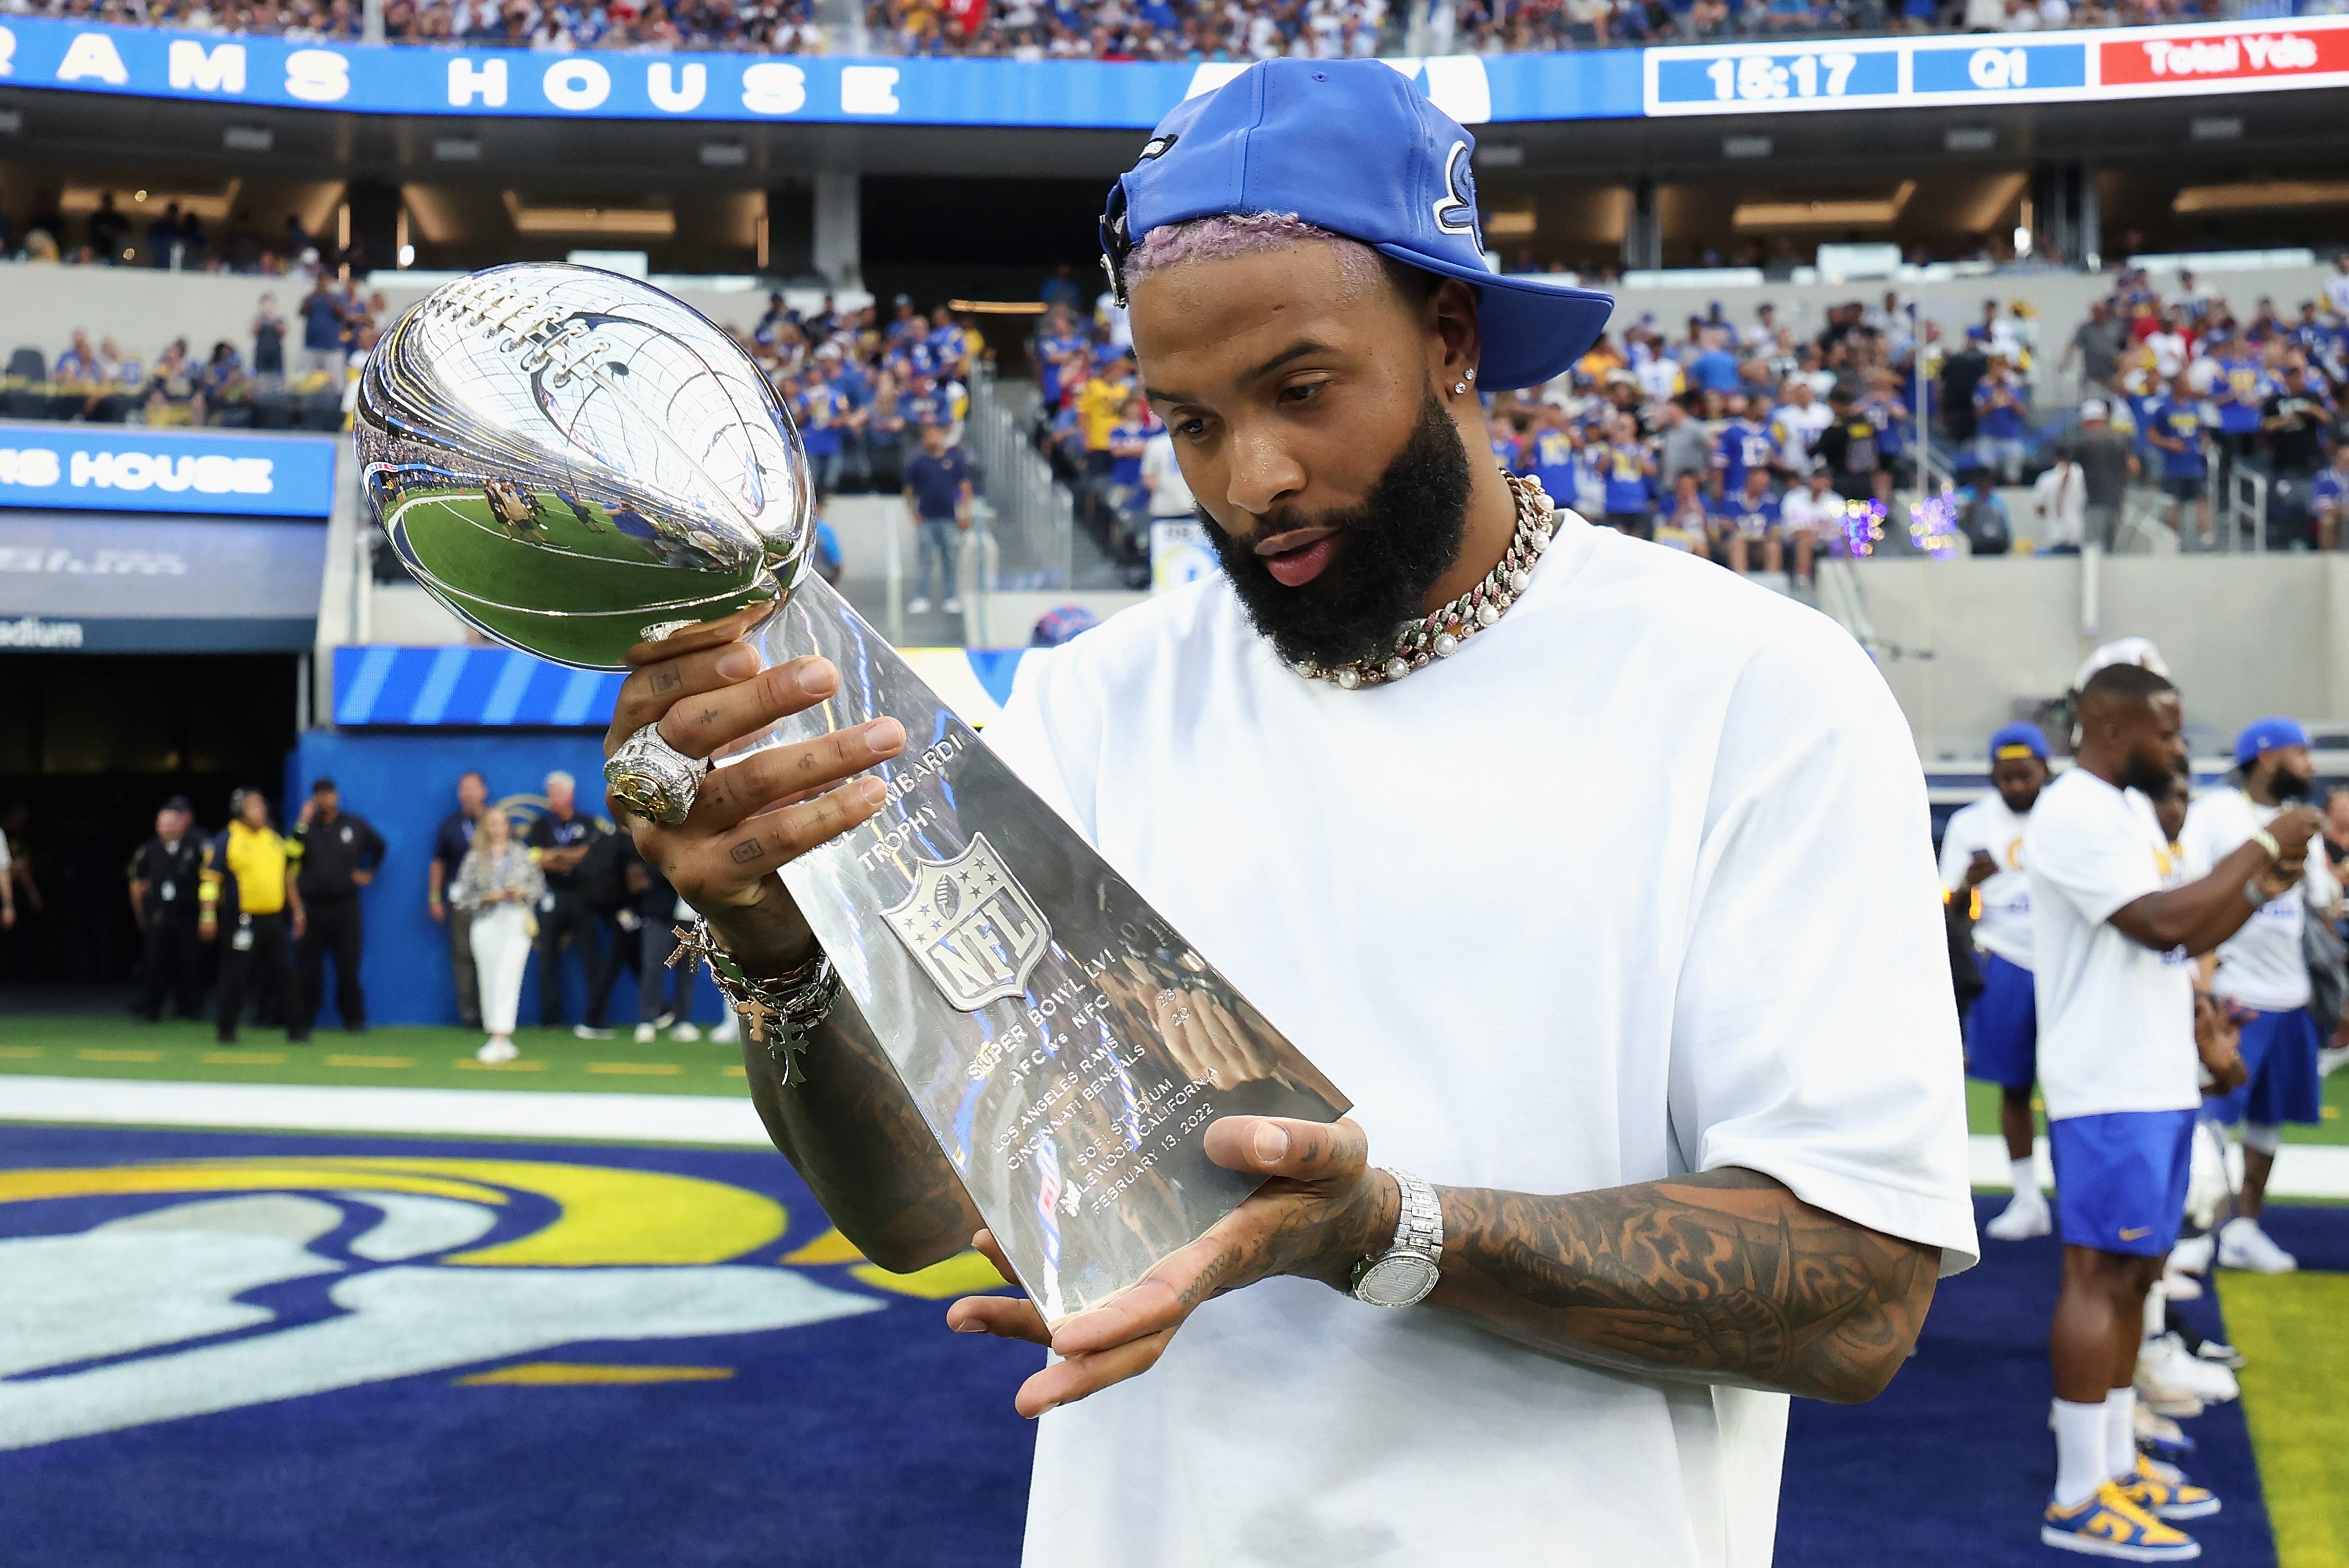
(642, 1350)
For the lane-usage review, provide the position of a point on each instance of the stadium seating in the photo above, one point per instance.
(1191, 30)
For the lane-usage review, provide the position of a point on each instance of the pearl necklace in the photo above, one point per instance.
(1439, 635)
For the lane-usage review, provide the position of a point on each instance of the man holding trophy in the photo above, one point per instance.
(1599, 880)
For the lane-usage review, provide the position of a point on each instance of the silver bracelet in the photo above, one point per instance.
(781, 1012)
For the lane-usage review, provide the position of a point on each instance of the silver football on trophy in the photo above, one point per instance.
(575, 462)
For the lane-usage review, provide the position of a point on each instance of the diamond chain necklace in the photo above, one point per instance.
(1439, 635)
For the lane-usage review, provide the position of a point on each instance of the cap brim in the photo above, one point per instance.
(1532, 331)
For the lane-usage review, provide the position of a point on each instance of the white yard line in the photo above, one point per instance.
(2302, 1170)
(332, 1108)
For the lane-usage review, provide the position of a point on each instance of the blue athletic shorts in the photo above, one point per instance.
(2120, 1179)
(2002, 1026)
(2280, 1050)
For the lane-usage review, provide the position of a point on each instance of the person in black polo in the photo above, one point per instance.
(338, 855)
(558, 841)
(164, 876)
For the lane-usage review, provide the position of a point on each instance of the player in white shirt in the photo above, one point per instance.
(2263, 971)
(1981, 863)
(1681, 1173)
(2123, 1050)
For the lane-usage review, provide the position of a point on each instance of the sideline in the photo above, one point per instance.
(2302, 1170)
(2307, 1169)
(333, 1108)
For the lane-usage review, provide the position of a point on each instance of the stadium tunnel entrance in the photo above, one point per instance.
(91, 745)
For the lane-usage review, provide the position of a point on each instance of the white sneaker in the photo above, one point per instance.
(496, 1050)
(2024, 1218)
(644, 1033)
(2181, 1286)
(2157, 1388)
(953, 606)
(2243, 1246)
(684, 1034)
(590, 1032)
(2192, 1255)
(2148, 1426)
(2176, 1368)
(917, 607)
(2219, 1353)
(2331, 1060)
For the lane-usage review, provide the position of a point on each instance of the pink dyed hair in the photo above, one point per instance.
(1224, 235)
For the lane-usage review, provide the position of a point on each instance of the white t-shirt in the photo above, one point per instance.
(2115, 1018)
(2336, 294)
(1822, 513)
(2004, 925)
(1162, 474)
(1794, 426)
(1638, 882)
(2262, 966)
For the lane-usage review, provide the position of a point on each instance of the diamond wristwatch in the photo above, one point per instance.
(1404, 1273)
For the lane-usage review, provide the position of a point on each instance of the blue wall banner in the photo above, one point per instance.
(404, 784)
(467, 684)
(1582, 84)
(130, 468)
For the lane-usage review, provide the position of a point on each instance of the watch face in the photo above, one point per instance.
(1398, 1279)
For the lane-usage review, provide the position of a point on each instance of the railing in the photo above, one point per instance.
(2239, 503)
(1032, 525)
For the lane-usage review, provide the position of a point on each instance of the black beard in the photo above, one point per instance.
(2289, 786)
(1399, 544)
(2150, 780)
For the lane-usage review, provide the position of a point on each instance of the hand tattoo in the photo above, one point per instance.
(1723, 1277)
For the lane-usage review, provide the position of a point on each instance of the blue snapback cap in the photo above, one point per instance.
(1352, 146)
(2271, 734)
(2018, 740)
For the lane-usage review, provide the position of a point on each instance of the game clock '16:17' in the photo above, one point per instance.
(1759, 76)
(1742, 78)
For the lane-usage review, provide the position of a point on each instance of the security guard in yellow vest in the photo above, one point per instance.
(248, 887)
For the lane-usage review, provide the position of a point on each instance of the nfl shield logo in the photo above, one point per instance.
(971, 926)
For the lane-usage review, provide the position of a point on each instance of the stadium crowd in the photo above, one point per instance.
(1762, 446)
(1192, 30)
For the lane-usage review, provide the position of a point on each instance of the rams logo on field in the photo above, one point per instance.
(271, 1278)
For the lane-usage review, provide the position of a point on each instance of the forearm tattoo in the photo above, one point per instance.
(1723, 1277)
(852, 1132)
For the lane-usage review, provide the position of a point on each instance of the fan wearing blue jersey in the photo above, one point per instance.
(2261, 973)
(2174, 428)
(1981, 866)
(1750, 517)
(1627, 473)
(1743, 445)
(2124, 1048)
(1549, 454)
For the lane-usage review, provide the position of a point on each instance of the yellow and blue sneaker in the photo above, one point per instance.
(2163, 1491)
(2109, 1525)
